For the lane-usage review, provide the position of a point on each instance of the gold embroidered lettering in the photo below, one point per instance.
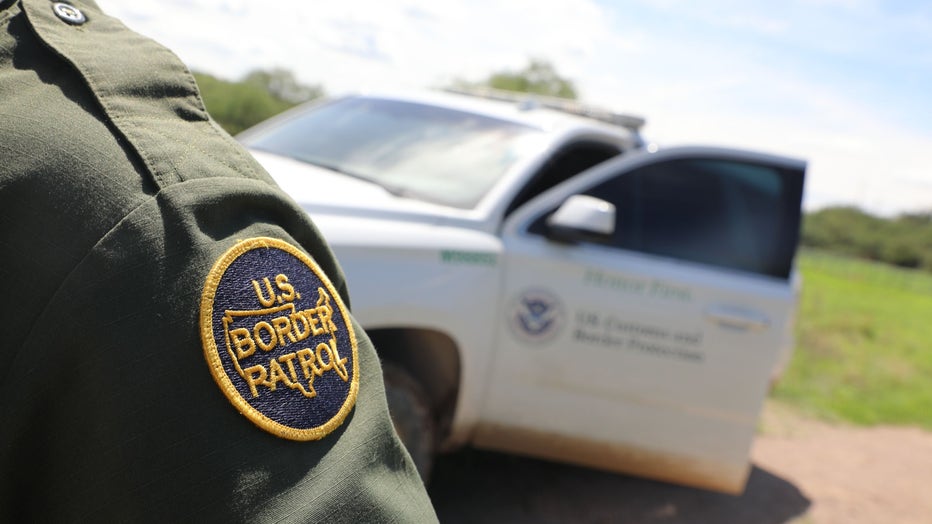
(326, 325)
(329, 365)
(263, 345)
(283, 327)
(265, 301)
(283, 369)
(306, 360)
(313, 321)
(255, 375)
(240, 338)
(288, 360)
(283, 330)
(288, 292)
(324, 311)
(276, 375)
(339, 364)
(300, 335)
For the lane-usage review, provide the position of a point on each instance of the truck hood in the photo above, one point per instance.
(320, 190)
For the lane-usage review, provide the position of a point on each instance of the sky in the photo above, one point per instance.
(843, 84)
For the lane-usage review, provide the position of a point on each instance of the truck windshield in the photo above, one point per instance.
(414, 150)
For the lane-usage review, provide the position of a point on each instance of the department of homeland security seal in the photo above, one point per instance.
(536, 315)
(278, 339)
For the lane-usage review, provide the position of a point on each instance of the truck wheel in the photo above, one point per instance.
(411, 416)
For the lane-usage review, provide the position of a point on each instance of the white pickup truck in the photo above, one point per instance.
(539, 280)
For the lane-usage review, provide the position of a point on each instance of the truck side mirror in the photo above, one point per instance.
(582, 218)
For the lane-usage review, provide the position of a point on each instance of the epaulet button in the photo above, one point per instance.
(69, 13)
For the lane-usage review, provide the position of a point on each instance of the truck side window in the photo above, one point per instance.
(567, 162)
(721, 213)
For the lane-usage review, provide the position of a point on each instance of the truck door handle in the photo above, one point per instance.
(737, 318)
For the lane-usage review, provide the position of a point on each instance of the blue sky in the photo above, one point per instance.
(841, 83)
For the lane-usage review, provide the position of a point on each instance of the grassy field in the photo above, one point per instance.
(864, 343)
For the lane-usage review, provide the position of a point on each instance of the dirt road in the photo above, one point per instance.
(804, 472)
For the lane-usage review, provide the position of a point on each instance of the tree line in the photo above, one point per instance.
(904, 241)
(239, 104)
(261, 94)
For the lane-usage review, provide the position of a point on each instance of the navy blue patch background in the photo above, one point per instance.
(235, 292)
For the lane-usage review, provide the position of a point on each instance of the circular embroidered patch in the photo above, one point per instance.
(278, 339)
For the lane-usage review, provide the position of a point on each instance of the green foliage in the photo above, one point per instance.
(863, 327)
(260, 95)
(862, 343)
(538, 77)
(905, 241)
(282, 84)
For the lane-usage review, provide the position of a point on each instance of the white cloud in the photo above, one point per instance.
(368, 43)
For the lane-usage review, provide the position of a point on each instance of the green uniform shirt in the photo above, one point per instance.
(127, 219)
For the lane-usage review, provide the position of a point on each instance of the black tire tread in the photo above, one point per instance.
(411, 415)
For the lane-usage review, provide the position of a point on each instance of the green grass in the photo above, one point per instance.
(863, 343)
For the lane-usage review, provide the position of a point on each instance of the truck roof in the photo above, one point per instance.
(546, 113)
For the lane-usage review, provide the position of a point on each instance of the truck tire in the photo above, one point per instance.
(411, 415)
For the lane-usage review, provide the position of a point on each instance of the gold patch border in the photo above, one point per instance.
(212, 353)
